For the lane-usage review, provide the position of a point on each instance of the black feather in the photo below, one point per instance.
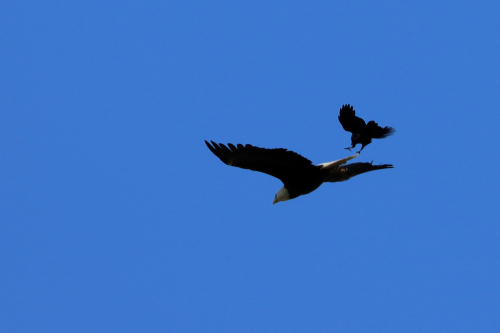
(298, 174)
(361, 132)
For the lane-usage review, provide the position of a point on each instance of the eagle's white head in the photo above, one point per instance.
(281, 195)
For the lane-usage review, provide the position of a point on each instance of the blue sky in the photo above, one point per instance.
(115, 217)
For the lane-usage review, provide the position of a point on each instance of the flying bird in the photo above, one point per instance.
(298, 174)
(361, 132)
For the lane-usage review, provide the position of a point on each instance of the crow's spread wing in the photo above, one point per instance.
(349, 121)
(377, 132)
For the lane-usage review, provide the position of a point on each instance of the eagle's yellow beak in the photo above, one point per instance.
(275, 201)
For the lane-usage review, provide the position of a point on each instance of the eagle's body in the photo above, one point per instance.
(362, 132)
(298, 174)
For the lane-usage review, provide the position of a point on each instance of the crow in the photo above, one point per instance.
(361, 132)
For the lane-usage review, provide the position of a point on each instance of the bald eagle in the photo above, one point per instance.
(361, 132)
(298, 174)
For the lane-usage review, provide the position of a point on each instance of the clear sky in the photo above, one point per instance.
(115, 217)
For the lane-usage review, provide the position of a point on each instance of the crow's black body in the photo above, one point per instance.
(361, 132)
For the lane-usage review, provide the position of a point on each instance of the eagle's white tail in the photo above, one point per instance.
(334, 164)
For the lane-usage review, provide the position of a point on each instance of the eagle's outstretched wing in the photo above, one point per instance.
(281, 163)
(348, 171)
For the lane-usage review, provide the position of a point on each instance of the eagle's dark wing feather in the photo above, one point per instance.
(377, 132)
(348, 171)
(349, 121)
(279, 162)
